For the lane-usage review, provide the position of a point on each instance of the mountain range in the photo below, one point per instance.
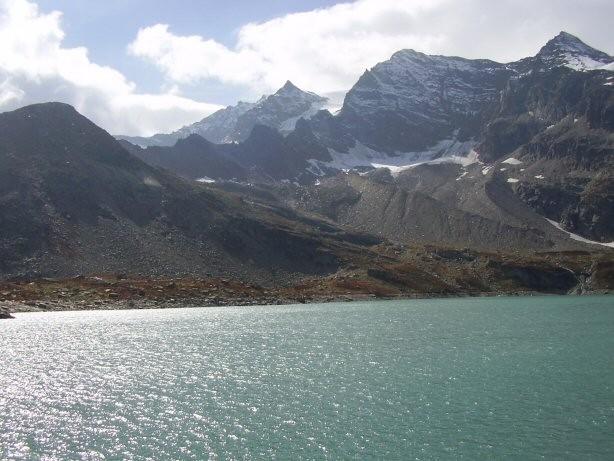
(234, 123)
(461, 174)
(538, 131)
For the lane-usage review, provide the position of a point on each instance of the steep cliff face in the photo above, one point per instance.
(545, 124)
(557, 118)
(413, 100)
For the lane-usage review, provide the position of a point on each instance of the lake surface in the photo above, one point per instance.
(523, 378)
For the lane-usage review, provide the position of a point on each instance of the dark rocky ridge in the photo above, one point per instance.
(73, 201)
(559, 121)
(265, 156)
(193, 158)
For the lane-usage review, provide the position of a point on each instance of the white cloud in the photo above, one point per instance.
(325, 50)
(35, 67)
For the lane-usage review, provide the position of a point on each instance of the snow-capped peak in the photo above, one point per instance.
(568, 50)
(567, 42)
(291, 91)
(280, 111)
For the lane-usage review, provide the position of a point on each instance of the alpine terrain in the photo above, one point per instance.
(471, 152)
(439, 175)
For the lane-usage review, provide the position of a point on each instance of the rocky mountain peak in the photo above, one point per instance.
(405, 54)
(568, 50)
(288, 88)
(194, 140)
(262, 134)
(49, 108)
(565, 41)
(45, 115)
(291, 91)
(56, 132)
(280, 111)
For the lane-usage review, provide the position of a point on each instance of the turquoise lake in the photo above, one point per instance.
(484, 378)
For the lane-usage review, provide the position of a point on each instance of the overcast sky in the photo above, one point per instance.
(146, 66)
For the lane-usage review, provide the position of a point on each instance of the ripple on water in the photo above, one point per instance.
(424, 379)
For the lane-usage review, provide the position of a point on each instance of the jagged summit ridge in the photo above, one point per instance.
(568, 50)
(567, 42)
(280, 110)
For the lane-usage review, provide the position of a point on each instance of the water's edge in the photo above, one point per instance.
(8, 308)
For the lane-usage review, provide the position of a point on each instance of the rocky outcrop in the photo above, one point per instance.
(536, 277)
(265, 156)
(194, 158)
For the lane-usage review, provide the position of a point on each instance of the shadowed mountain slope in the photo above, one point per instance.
(73, 201)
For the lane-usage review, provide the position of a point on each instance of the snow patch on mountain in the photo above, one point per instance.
(289, 125)
(361, 156)
(585, 63)
(569, 51)
(577, 237)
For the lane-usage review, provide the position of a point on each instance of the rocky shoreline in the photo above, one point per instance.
(117, 293)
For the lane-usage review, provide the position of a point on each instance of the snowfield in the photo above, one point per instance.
(446, 151)
(577, 237)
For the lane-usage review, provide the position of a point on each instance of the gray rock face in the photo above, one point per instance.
(428, 205)
(557, 117)
(219, 126)
(554, 112)
(413, 100)
(280, 111)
